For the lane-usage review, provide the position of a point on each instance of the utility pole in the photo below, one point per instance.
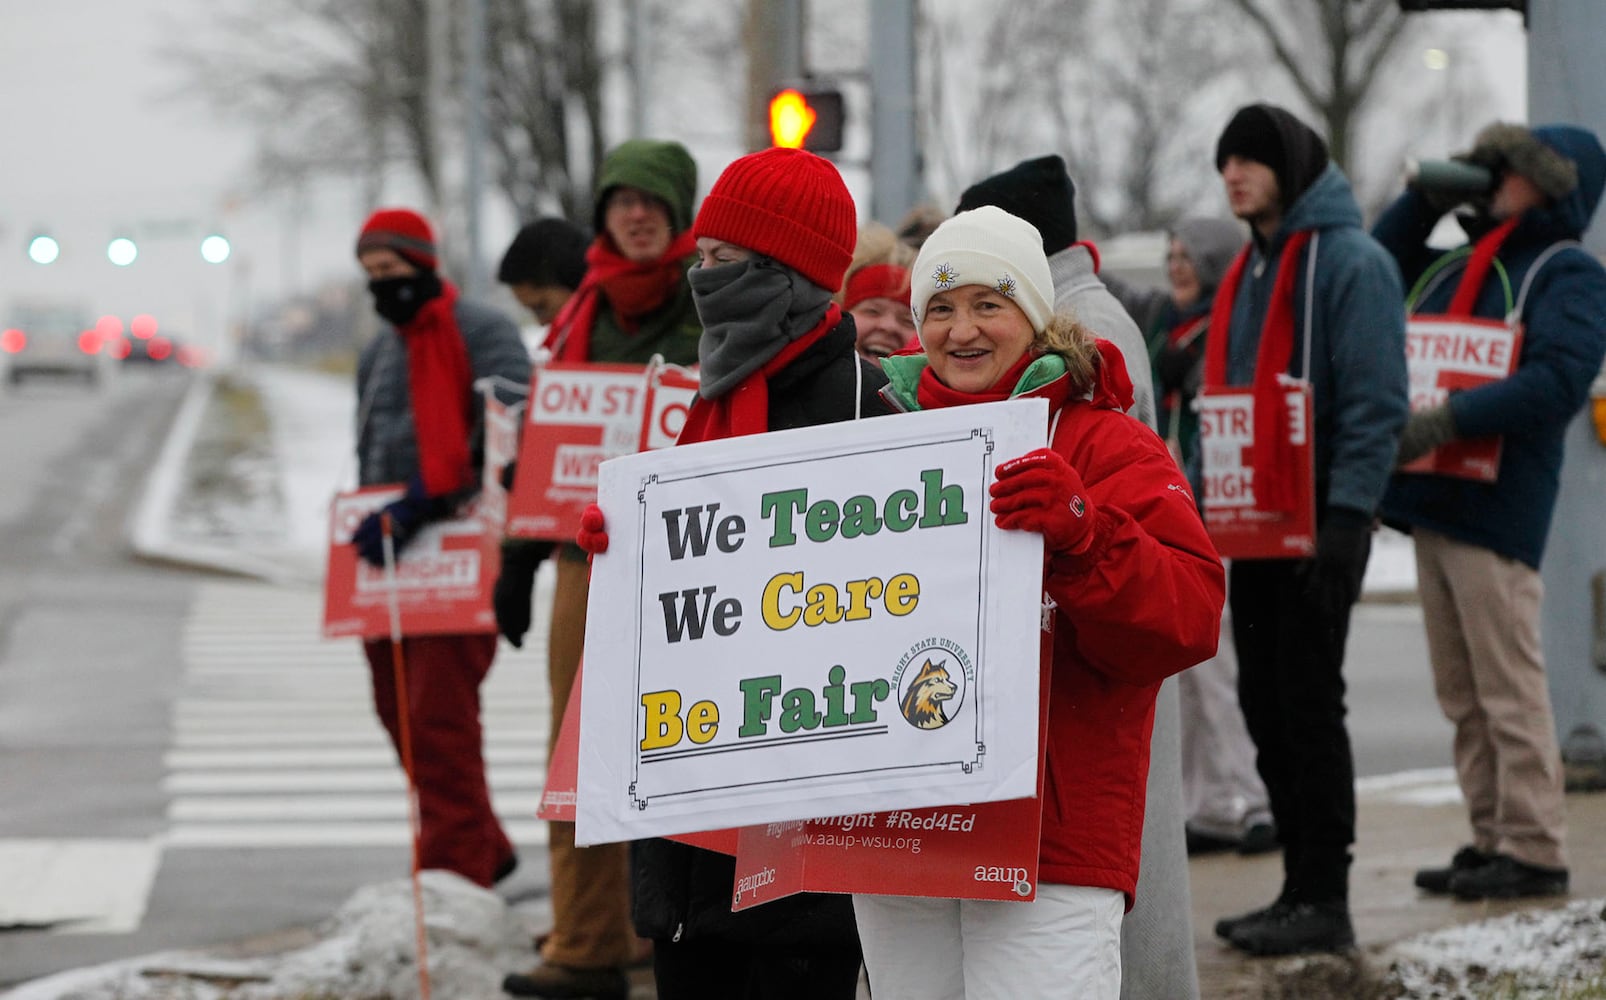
(773, 36)
(894, 156)
(1567, 83)
(478, 279)
(638, 27)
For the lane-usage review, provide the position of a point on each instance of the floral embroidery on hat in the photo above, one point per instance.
(1007, 285)
(945, 275)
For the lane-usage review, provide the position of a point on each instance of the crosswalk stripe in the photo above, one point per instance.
(275, 742)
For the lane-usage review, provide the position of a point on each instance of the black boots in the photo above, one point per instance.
(1292, 929)
(1437, 880)
(1504, 877)
(1475, 875)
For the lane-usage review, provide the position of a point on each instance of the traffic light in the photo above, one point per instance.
(806, 119)
(1416, 6)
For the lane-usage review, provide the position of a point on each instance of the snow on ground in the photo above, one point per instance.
(312, 416)
(1532, 954)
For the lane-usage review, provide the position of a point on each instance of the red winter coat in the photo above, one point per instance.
(1143, 603)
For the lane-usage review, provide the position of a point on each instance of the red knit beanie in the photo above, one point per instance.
(402, 230)
(787, 204)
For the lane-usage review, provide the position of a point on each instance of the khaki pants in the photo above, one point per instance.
(1481, 611)
(590, 885)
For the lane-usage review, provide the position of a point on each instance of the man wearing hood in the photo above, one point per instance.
(634, 302)
(1478, 544)
(1316, 298)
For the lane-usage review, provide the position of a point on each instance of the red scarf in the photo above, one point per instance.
(440, 383)
(1483, 254)
(931, 394)
(1112, 386)
(633, 290)
(1272, 452)
(746, 409)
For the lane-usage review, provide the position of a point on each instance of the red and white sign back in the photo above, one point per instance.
(1241, 525)
(1447, 353)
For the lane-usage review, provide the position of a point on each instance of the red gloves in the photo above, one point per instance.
(1039, 491)
(592, 535)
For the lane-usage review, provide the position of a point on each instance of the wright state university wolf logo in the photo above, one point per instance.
(922, 702)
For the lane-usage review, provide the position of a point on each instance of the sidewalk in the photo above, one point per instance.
(1405, 821)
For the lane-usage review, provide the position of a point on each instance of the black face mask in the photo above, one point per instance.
(399, 299)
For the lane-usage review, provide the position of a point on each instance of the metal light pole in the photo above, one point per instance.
(1567, 83)
(478, 278)
(894, 157)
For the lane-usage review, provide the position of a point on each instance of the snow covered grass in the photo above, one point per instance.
(1522, 956)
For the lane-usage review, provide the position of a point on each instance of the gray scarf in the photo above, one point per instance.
(750, 311)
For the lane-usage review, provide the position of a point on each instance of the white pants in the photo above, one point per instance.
(1065, 943)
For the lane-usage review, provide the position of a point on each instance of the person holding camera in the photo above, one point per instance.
(1478, 544)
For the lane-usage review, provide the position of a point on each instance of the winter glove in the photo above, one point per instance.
(1333, 581)
(1039, 491)
(1424, 431)
(407, 516)
(510, 598)
(1175, 363)
(592, 536)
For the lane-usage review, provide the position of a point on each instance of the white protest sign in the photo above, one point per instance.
(811, 622)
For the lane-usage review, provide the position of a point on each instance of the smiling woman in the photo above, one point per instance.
(1121, 538)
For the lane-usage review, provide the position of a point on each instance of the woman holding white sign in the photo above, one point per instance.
(774, 239)
(1137, 590)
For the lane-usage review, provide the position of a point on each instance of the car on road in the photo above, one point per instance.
(53, 339)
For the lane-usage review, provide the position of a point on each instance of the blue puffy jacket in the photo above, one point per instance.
(1357, 334)
(1564, 338)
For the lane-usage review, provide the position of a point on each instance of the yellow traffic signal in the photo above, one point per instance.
(790, 119)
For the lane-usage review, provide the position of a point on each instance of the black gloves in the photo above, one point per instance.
(1424, 431)
(511, 598)
(1174, 364)
(407, 516)
(1343, 542)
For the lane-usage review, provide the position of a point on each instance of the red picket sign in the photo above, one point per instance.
(563, 777)
(1447, 353)
(577, 417)
(1239, 524)
(671, 390)
(444, 576)
(984, 851)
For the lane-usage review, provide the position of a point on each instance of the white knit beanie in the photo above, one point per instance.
(986, 246)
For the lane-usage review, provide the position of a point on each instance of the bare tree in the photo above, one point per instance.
(342, 87)
(1129, 92)
(1333, 52)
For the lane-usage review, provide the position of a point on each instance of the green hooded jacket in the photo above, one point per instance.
(667, 172)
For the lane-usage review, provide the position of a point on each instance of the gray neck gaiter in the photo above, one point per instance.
(750, 311)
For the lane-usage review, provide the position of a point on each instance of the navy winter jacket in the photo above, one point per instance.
(1357, 340)
(1564, 338)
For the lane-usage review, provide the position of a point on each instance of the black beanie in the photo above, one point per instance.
(1268, 134)
(1039, 191)
(548, 251)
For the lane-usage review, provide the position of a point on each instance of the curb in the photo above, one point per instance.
(148, 523)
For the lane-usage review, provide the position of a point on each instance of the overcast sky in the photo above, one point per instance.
(97, 144)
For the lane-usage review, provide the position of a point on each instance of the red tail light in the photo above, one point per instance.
(89, 342)
(158, 348)
(120, 348)
(12, 341)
